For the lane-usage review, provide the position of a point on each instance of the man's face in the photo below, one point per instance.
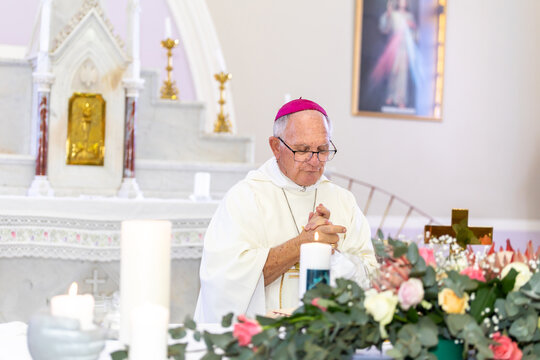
(306, 131)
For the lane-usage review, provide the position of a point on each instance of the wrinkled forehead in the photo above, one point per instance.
(307, 127)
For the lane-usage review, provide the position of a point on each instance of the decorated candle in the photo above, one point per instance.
(314, 265)
(145, 269)
(149, 332)
(79, 307)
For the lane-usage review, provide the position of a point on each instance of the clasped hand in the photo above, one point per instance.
(319, 221)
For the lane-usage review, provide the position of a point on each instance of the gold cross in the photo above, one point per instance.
(460, 218)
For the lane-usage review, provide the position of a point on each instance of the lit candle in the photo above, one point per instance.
(149, 332)
(79, 307)
(168, 33)
(145, 269)
(314, 265)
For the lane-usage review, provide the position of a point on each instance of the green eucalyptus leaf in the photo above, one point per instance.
(211, 356)
(178, 333)
(412, 253)
(457, 322)
(220, 340)
(427, 331)
(524, 327)
(119, 355)
(226, 321)
(189, 323)
(177, 350)
(429, 278)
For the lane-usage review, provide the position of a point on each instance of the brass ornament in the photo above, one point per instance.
(85, 144)
(222, 123)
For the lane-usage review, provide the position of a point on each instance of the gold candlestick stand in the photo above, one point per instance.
(169, 90)
(222, 123)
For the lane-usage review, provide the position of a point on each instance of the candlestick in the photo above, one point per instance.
(145, 268)
(79, 307)
(169, 90)
(149, 337)
(221, 60)
(314, 265)
(45, 26)
(222, 123)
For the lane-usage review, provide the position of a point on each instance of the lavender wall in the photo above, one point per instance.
(17, 19)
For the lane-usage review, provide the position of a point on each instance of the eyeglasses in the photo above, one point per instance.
(305, 156)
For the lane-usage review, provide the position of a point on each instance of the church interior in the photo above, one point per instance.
(103, 120)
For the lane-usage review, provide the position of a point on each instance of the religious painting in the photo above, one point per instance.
(85, 143)
(399, 58)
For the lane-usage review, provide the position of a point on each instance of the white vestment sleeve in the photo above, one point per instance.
(357, 248)
(234, 255)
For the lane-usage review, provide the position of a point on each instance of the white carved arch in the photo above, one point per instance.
(199, 36)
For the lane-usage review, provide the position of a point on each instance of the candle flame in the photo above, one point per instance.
(316, 237)
(73, 289)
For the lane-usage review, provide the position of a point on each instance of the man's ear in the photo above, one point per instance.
(274, 145)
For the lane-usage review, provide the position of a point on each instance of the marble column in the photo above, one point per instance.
(132, 83)
(43, 80)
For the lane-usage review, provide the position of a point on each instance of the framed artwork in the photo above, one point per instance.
(399, 58)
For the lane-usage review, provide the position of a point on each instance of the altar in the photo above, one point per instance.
(78, 239)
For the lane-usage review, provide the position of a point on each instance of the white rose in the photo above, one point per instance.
(523, 276)
(382, 307)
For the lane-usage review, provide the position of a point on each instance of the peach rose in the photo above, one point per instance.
(428, 256)
(474, 272)
(506, 349)
(410, 293)
(245, 329)
(451, 303)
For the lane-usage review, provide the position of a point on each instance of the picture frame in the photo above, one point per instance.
(399, 59)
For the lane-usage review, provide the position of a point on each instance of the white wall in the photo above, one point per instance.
(484, 155)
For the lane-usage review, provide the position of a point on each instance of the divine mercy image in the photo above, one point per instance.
(398, 57)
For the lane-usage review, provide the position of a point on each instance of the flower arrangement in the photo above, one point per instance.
(485, 304)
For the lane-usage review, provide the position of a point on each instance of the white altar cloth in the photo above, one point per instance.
(13, 344)
(88, 228)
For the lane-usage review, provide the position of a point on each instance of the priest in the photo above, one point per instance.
(252, 245)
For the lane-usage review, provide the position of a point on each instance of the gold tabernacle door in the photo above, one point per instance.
(85, 144)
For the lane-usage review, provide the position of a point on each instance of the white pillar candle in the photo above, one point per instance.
(168, 32)
(201, 186)
(221, 60)
(149, 332)
(79, 307)
(45, 26)
(314, 265)
(145, 268)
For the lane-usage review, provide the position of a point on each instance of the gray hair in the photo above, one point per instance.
(281, 123)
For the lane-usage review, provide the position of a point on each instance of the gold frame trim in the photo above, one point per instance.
(89, 148)
(439, 77)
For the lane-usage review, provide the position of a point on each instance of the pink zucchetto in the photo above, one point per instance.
(299, 105)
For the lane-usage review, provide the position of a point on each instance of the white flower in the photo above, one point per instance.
(382, 307)
(524, 274)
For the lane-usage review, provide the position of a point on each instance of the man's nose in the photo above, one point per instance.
(314, 159)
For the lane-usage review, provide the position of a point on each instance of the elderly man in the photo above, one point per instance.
(252, 245)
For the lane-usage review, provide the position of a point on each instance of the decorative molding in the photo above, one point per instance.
(43, 81)
(86, 8)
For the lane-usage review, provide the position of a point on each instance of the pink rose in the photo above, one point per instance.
(428, 256)
(315, 302)
(474, 272)
(410, 293)
(245, 329)
(506, 349)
